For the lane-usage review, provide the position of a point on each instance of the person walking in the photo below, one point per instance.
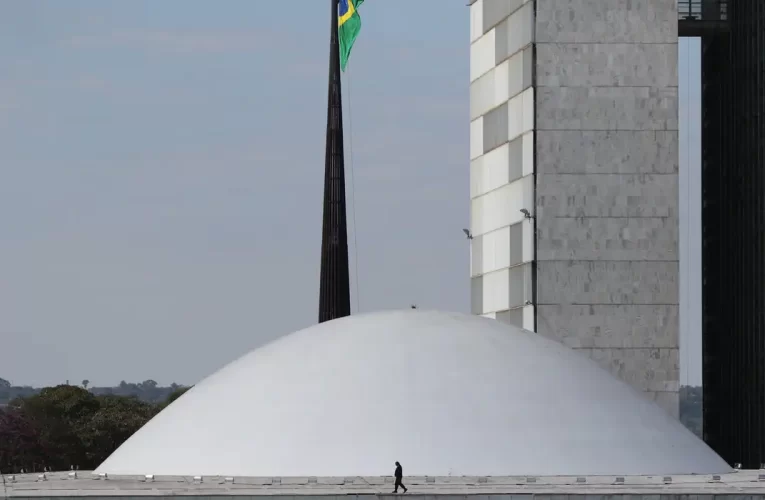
(399, 474)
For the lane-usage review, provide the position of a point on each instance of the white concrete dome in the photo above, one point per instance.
(444, 394)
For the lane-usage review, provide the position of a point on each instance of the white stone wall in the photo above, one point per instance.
(596, 162)
(502, 159)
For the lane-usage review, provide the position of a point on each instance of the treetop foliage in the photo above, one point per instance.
(68, 426)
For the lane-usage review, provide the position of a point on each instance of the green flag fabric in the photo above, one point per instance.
(348, 27)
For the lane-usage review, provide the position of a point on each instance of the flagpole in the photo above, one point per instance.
(334, 280)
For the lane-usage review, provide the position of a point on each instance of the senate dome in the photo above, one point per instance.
(445, 394)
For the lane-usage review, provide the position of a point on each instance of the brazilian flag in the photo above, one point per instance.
(349, 25)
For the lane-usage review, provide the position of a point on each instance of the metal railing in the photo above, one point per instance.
(702, 10)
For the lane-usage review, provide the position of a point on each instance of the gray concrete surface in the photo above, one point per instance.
(607, 186)
(743, 485)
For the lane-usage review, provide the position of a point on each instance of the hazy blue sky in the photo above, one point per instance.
(689, 76)
(161, 168)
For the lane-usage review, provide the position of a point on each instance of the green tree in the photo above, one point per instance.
(116, 419)
(180, 391)
(5, 390)
(149, 384)
(66, 425)
(74, 427)
(59, 415)
(19, 443)
(85, 383)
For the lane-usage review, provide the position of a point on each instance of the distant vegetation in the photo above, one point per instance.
(147, 391)
(70, 426)
(80, 426)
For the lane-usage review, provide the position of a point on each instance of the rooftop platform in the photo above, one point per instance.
(742, 484)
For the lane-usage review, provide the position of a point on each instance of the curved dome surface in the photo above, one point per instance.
(445, 394)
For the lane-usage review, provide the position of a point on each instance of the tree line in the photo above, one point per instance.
(148, 390)
(65, 427)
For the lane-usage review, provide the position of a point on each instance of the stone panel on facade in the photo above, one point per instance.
(606, 21)
(501, 83)
(492, 251)
(607, 282)
(598, 65)
(502, 207)
(495, 124)
(482, 94)
(516, 243)
(604, 326)
(606, 108)
(520, 285)
(607, 152)
(515, 157)
(514, 33)
(496, 11)
(608, 238)
(640, 195)
(482, 55)
(522, 70)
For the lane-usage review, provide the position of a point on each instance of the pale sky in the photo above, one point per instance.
(689, 75)
(161, 170)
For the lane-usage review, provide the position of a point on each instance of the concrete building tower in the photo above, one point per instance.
(574, 178)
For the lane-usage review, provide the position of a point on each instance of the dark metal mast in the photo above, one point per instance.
(334, 288)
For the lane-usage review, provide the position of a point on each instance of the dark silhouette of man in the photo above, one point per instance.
(399, 474)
